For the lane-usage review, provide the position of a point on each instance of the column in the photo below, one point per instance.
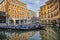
(59, 22)
(7, 21)
(19, 22)
(27, 21)
(23, 21)
(14, 22)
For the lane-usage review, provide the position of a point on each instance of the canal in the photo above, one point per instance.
(48, 33)
(19, 35)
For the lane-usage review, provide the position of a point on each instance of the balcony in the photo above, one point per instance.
(54, 8)
(53, 3)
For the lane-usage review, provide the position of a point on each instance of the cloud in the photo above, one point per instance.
(34, 4)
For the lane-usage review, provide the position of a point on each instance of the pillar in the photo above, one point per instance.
(7, 21)
(23, 21)
(14, 22)
(19, 22)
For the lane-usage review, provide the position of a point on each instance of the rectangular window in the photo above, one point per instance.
(9, 9)
(59, 1)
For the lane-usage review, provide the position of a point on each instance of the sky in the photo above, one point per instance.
(0, 0)
(34, 4)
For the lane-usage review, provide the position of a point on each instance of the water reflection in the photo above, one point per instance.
(19, 35)
(48, 33)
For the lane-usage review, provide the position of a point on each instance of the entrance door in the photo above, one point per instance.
(2, 19)
(11, 21)
(21, 21)
(17, 21)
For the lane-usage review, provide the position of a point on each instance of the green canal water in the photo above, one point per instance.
(19, 35)
(48, 33)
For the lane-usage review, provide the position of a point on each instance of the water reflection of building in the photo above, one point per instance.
(31, 33)
(21, 36)
(50, 33)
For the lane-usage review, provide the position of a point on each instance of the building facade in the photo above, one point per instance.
(42, 14)
(16, 11)
(21, 36)
(30, 15)
(2, 19)
(51, 12)
(54, 12)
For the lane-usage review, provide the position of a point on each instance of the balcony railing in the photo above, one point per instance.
(53, 3)
(54, 8)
